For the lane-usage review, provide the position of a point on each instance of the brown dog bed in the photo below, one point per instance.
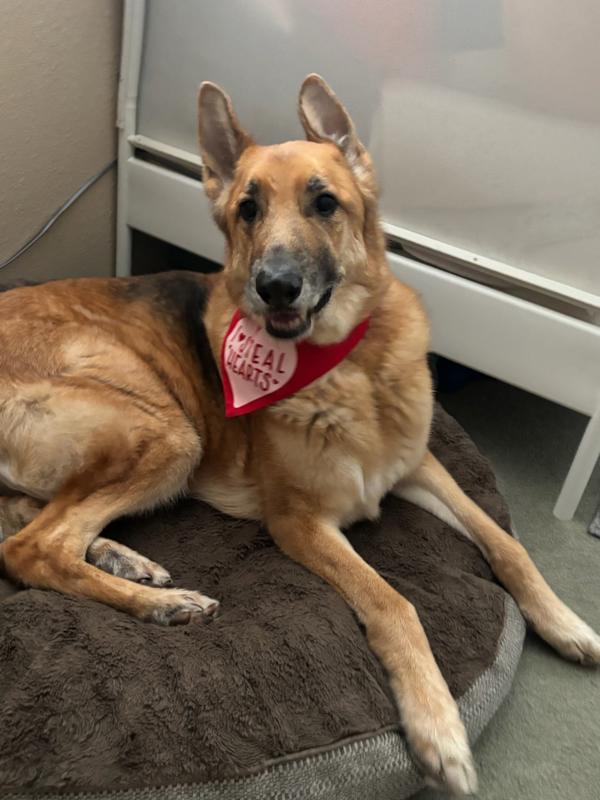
(280, 697)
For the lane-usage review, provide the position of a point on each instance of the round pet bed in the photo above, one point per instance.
(280, 697)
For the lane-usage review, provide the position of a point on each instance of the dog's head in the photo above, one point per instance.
(304, 247)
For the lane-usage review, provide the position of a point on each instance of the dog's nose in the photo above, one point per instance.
(278, 289)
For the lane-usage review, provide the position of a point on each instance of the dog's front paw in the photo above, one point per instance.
(180, 606)
(447, 762)
(439, 744)
(574, 639)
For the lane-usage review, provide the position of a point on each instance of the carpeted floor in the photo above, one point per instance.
(544, 743)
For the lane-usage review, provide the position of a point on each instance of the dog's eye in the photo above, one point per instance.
(248, 210)
(326, 204)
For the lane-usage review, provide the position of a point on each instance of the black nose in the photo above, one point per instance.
(278, 289)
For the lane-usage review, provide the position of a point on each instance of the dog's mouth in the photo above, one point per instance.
(291, 324)
(286, 324)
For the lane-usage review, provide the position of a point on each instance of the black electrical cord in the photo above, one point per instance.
(57, 214)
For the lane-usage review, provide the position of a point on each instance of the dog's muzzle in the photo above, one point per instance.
(291, 288)
(279, 288)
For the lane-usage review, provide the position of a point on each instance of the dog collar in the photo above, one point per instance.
(258, 370)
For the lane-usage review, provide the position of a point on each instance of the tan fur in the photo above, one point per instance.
(105, 410)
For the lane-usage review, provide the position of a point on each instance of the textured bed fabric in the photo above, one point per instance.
(376, 765)
(280, 696)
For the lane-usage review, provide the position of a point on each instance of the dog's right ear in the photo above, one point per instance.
(222, 139)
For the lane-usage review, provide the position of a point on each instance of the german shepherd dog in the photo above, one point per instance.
(111, 404)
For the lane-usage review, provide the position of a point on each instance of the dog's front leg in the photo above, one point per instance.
(431, 487)
(428, 712)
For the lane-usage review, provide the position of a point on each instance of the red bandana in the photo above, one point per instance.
(258, 370)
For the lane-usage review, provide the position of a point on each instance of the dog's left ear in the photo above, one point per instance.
(325, 119)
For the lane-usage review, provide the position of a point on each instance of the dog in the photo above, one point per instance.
(113, 399)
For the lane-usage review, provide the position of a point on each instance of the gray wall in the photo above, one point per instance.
(59, 62)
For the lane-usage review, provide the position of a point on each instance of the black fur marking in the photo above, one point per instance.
(253, 188)
(316, 184)
(313, 421)
(323, 301)
(327, 265)
(182, 296)
(17, 284)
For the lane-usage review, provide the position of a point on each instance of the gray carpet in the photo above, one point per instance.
(544, 743)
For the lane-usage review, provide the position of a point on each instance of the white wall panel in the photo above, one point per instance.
(483, 115)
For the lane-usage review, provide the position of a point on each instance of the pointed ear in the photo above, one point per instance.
(222, 139)
(325, 119)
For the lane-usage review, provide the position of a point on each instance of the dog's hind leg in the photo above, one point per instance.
(19, 510)
(50, 552)
(117, 559)
(432, 488)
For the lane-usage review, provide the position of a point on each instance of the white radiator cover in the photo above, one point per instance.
(484, 119)
(483, 116)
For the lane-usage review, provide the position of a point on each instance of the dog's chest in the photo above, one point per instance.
(350, 439)
(342, 443)
(353, 490)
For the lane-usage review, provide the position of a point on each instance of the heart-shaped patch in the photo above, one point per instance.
(258, 370)
(256, 363)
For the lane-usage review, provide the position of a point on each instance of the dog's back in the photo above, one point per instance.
(96, 353)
